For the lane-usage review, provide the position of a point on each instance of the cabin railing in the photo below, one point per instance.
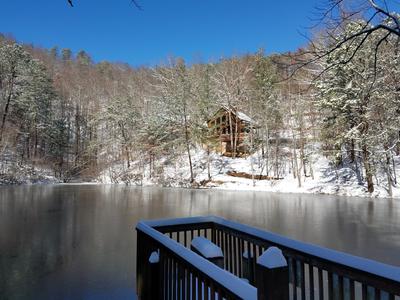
(313, 272)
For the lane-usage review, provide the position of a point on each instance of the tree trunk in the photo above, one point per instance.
(296, 166)
(394, 170)
(36, 143)
(277, 158)
(352, 151)
(251, 150)
(267, 150)
(398, 145)
(231, 131)
(235, 145)
(187, 142)
(311, 171)
(28, 153)
(368, 171)
(389, 175)
(189, 156)
(6, 109)
(150, 159)
(302, 159)
(126, 144)
(77, 134)
(208, 163)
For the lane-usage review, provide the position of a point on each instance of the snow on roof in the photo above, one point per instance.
(207, 248)
(241, 115)
(244, 117)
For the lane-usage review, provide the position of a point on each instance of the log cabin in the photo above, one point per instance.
(230, 129)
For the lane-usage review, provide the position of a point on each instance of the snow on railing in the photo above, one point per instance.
(352, 261)
(275, 264)
(206, 248)
(227, 280)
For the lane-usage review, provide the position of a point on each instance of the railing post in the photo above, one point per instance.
(154, 276)
(272, 275)
(147, 269)
(139, 264)
(150, 288)
(247, 262)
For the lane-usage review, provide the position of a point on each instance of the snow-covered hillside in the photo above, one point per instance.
(175, 173)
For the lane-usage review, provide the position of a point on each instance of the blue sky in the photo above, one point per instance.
(196, 30)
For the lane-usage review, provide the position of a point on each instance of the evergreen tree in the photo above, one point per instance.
(351, 98)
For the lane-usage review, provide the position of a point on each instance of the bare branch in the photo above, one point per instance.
(134, 2)
(384, 12)
(138, 6)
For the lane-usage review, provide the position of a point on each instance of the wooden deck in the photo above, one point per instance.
(313, 272)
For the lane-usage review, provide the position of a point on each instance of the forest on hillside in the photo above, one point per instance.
(63, 112)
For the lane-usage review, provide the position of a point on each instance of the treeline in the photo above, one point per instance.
(358, 95)
(78, 117)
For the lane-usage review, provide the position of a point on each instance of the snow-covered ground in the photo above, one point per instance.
(175, 173)
(14, 173)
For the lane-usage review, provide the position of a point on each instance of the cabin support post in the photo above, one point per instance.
(272, 275)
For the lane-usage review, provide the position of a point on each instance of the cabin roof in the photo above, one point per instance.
(244, 117)
(240, 115)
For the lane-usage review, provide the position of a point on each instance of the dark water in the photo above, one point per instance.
(78, 242)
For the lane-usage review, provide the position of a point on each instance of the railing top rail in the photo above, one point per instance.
(355, 262)
(232, 283)
(182, 221)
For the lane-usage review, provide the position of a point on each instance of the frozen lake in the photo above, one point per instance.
(78, 241)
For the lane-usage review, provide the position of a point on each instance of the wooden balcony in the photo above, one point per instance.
(312, 272)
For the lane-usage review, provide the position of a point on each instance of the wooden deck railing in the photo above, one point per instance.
(313, 272)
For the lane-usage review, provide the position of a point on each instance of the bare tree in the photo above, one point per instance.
(379, 18)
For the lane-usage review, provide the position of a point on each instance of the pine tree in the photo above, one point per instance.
(14, 61)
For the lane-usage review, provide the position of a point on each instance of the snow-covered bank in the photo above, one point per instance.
(342, 181)
(12, 173)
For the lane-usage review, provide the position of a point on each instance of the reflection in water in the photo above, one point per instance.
(78, 242)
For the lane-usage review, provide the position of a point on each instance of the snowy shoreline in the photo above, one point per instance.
(175, 173)
(227, 187)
